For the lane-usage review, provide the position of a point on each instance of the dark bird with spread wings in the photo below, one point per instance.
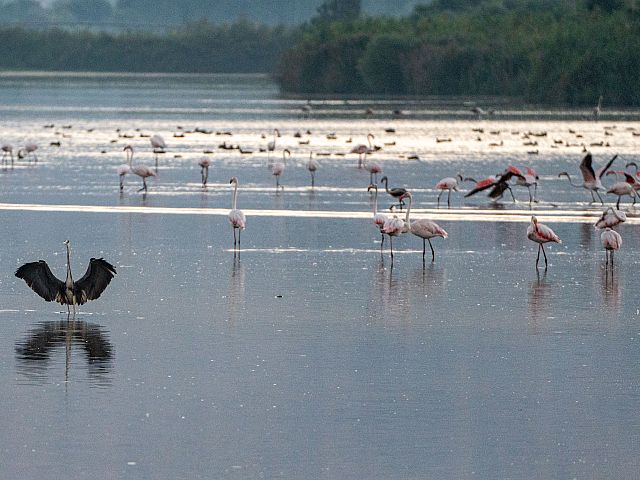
(41, 280)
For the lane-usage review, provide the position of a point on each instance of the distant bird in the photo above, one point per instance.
(141, 170)
(449, 184)
(597, 109)
(611, 241)
(373, 168)
(7, 152)
(623, 188)
(159, 146)
(394, 192)
(591, 178)
(378, 219)
(610, 218)
(425, 229)
(363, 149)
(236, 217)
(204, 164)
(39, 278)
(312, 166)
(528, 179)
(480, 112)
(271, 146)
(277, 168)
(393, 227)
(541, 234)
(122, 171)
(498, 184)
(29, 151)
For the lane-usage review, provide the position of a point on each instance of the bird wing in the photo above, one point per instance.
(482, 185)
(604, 169)
(41, 280)
(95, 280)
(586, 167)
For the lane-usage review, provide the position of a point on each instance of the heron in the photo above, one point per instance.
(41, 280)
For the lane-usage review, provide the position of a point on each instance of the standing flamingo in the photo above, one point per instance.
(591, 178)
(448, 183)
(425, 229)
(610, 218)
(312, 166)
(159, 146)
(141, 170)
(204, 164)
(393, 227)
(541, 234)
(373, 168)
(122, 171)
(363, 149)
(623, 188)
(394, 192)
(378, 219)
(611, 241)
(236, 217)
(277, 168)
(29, 150)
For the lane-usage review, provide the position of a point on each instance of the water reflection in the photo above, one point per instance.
(34, 353)
(236, 292)
(609, 289)
(539, 302)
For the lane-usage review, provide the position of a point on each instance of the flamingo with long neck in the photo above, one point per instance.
(278, 168)
(394, 192)
(312, 166)
(236, 217)
(424, 229)
(141, 170)
(591, 178)
(541, 234)
(363, 149)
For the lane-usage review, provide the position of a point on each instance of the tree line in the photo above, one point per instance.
(540, 50)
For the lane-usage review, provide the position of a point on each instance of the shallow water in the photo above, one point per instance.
(311, 355)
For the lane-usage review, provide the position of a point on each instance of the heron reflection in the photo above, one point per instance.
(34, 353)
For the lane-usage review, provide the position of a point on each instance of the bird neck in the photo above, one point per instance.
(69, 281)
(406, 220)
(130, 157)
(235, 195)
(571, 181)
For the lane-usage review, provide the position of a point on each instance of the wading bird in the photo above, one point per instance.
(277, 168)
(541, 234)
(312, 166)
(611, 241)
(141, 170)
(41, 280)
(363, 149)
(159, 146)
(610, 218)
(498, 184)
(271, 146)
(378, 218)
(204, 164)
(28, 151)
(597, 109)
(591, 178)
(373, 168)
(236, 217)
(394, 192)
(528, 179)
(622, 188)
(424, 229)
(448, 183)
(7, 152)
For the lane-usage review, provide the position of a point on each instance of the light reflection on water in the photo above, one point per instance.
(309, 355)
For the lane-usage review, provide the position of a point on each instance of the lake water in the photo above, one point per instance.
(310, 355)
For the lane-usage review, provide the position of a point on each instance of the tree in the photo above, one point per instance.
(339, 10)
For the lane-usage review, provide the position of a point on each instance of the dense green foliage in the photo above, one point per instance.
(199, 47)
(541, 50)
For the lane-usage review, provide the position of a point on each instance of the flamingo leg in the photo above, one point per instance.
(439, 195)
(156, 158)
(538, 257)
(433, 253)
(239, 236)
(546, 264)
(530, 197)
(312, 180)
(599, 197)
(512, 195)
(382, 242)
(144, 185)
(424, 249)
(391, 246)
(121, 182)
(449, 198)
(618, 203)
(234, 239)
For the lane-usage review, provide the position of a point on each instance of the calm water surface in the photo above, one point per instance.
(310, 356)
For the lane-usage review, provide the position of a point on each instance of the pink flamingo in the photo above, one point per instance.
(141, 170)
(611, 241)
(393, 227)
(236, 217)
(541, 234)
(312, 166)
(627, 187)
(373, 168)
(159, 146)
(424, 229)
(610, 218)
(448, 183)
(204, 164)
(7, 151)
(271, 146)
(591, 178)
(363, 149)
(277, 168)
(528, 179)
(378, 219)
